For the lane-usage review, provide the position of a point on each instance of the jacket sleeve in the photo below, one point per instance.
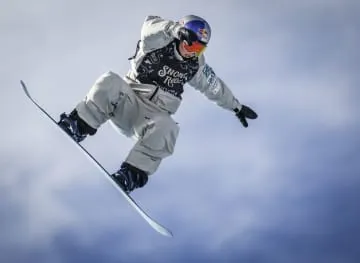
(214, 88)
(156, 29)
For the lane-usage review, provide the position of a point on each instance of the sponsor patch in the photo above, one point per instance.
(211, 79)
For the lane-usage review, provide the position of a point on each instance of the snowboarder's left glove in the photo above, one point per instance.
(245, 113)
(187, 35)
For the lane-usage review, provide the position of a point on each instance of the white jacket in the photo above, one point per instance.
(157, 33)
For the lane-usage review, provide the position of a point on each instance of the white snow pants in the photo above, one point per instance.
(112, 98)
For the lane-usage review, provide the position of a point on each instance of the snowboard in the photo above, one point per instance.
(155, 225)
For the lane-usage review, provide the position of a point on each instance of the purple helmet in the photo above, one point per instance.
(199, 26)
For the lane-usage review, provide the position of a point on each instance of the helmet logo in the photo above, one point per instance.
(203, 33)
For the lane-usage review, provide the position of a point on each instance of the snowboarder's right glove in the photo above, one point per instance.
(243, 113)
(187, 35)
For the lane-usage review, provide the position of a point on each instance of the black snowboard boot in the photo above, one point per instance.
(73, 125)
(130, 177)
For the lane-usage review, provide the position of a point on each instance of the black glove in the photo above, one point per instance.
(187, 35)
(243, 113)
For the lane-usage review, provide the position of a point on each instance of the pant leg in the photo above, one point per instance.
(112, 98)
(156, 141)
(110, 93)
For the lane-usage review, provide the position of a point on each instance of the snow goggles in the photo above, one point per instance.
(197, 47)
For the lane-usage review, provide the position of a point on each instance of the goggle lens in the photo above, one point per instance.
(196, 47)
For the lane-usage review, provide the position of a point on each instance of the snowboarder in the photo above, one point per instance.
(168, 55)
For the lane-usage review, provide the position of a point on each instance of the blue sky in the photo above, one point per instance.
(286, 189)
